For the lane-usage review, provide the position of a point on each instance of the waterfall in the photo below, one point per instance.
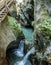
(23, 62)
(20, 50)
(32, 50)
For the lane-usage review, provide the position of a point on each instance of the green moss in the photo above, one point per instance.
(14, 25)
(43, 35)
(45, 27)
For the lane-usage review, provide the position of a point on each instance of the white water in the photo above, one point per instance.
(32, 50)
(19, 51)
(23, 62)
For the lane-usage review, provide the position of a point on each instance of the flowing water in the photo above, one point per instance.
(17, 56)
(25, 60)
(28, 32)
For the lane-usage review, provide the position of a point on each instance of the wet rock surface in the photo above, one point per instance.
(15, 54)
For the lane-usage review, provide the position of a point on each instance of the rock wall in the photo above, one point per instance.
(42, 29)
(6, 36)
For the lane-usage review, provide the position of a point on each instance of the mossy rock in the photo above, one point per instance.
(45, 27)
(43, 34)
(14, 25)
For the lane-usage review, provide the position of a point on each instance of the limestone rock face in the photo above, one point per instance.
(6, 36)
(25, 10)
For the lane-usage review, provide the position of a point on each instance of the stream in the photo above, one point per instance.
(28, 33)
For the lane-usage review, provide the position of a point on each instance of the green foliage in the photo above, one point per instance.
(45, 27)
(14, 25)
(43, 35)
